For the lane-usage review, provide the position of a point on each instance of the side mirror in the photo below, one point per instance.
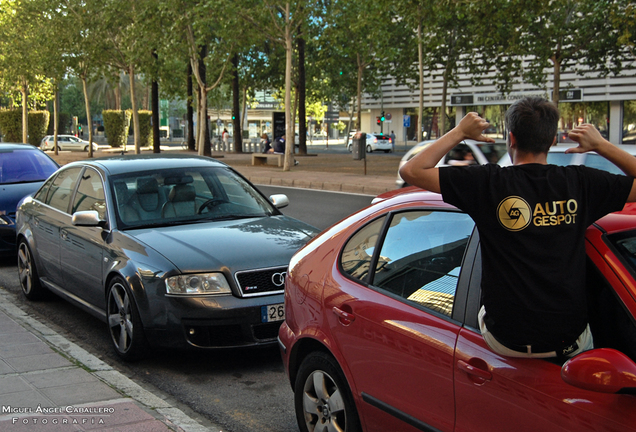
(602, 370)
(279, 200)
(87, 218)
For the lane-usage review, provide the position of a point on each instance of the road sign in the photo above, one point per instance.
(388, 116)
(406, 120)
(332, 117)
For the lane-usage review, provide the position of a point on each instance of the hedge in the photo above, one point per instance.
(116, 124)
(11, 125)
(145, 128)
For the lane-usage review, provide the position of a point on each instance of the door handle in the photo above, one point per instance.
(64, 235)
(482, 375)
(345, 318)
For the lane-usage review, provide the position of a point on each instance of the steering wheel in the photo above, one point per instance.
(211, 203)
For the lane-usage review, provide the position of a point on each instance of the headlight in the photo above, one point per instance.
(196, 284)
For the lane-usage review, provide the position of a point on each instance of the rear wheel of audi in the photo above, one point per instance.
(369, 149)
(322, 398)
(28, 273)
(124, 325)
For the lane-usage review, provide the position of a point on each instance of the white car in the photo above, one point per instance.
(558, 156)
(375, 141)
(66, 142)
(466, 153)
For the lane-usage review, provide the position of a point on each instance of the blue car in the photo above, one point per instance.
(23, 169)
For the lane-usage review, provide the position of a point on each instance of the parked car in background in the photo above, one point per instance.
(23, 169)
(375, 141)
(381, 330)
(66, 142)
(558, 156)
(169, 250)
(466, 153)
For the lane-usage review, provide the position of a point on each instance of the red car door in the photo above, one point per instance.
(396, 335)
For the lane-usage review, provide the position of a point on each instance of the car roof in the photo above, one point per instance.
(130, 163)
(17, 146)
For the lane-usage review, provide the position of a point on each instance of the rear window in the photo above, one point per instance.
(23, 166)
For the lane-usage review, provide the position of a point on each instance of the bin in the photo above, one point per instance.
(358, 146)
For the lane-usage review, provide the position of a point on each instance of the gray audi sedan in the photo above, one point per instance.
(168, 250)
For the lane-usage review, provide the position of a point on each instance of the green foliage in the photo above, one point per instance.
(38, 122)
(116, 124)
(145, 128)
(11, 125)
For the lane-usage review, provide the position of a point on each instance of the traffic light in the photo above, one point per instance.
(378, 121)
(382, 117)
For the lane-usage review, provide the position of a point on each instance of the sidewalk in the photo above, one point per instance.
(48, 383)
(324, 171)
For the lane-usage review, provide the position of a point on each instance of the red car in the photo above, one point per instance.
(381, 330)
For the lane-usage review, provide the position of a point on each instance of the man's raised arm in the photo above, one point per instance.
(590, 139)
(420, 171)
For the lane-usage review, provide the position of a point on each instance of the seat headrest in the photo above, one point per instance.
(146, 185)
(182, 192)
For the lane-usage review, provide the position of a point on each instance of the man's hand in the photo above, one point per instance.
(471, 126)
(420, 171)
(588, 137)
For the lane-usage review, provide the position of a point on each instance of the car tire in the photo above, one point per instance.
(369, 149)
(320, 386)
(29, 280)
(86, 149)
(124, 325)
(350, 148)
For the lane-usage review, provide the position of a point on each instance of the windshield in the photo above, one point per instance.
(25, 165)
(185, 195)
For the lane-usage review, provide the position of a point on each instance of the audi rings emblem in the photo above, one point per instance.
(278, 279)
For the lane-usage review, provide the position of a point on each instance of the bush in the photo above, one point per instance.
(11, 125)
(116, 125)
(64, 119)
(145, 128)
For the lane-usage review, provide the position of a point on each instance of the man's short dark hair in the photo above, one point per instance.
(533, 121)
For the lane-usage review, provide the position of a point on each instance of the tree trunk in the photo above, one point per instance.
(24, 89)
(135, 114)
(87, 102)
(420, 111)
(557, 80)
(289, 127)
(302, 99)
(156, 141)
(236, 107)
(56, 117)
(189, 110)
(359, 93)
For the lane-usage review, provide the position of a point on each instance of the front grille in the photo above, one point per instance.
(261, 281)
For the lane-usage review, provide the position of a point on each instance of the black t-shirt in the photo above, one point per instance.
(532, 220)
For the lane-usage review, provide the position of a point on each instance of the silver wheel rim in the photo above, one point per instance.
(25, 268)
(323, 404)
(120, 317)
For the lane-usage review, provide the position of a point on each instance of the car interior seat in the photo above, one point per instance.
(181, 199)
(126, 211)
(147, 198)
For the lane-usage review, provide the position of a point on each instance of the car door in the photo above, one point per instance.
(82, 246)
(49, 217)
(495, 392)
(396, 334)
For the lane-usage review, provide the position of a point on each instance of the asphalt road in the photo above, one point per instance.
(241, 390)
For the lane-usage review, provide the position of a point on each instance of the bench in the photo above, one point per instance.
(261, 158)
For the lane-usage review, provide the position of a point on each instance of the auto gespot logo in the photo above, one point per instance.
(514, 213)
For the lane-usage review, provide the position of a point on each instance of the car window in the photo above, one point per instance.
(421, 256)
(599, 162)
(358, 252)
(61, 189)
(21, 166)
(493, 151)
(90, 194)
(460, 155)
(562, 159)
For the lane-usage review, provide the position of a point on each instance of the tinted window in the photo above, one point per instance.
(421, 256)
(599, 162)
(561, 159)
(90, 194)
(61, 189)
(19, 166)
(493, 151)
(357, 253)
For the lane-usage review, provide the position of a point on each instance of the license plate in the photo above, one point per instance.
(272, 313)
